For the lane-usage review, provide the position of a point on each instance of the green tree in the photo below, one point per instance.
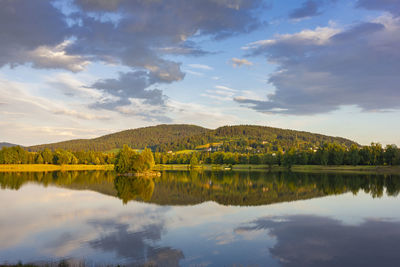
(269, 159)
(289, 158)
(194, 161)
(148, 159)
(123, 160)
(336, 154)
(128, 160)
(39, 159)
(390, 154)
(322, 156)
(254, 159)
(353, 155)
(47, 156)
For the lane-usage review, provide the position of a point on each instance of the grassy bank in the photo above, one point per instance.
(50, 167)
(295, 168)
(348, 169)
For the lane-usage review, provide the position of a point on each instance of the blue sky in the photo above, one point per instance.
(84, 68)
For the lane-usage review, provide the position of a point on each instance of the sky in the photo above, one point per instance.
(84, 68)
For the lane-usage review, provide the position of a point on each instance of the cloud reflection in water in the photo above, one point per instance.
(303, 240)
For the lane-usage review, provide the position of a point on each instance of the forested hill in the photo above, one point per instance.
(136, 138)
(164, 137)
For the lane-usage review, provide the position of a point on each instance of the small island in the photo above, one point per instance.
(131, 163)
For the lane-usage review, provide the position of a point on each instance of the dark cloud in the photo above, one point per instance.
(307, 9)
(130, 85)
(137, 247)
(319, 241)
(392, 6)
(60, 240)
(135, 85)
(147, 29)
(134, 33)
(26, 25)
(188, 48)
(170, 20)
(310, 8)
(322, 70)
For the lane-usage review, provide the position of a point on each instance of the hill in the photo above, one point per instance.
(136, 138)
(178, 137)
(4, 144)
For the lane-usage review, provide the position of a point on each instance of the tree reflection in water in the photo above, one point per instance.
(224, 187)
(134, 188)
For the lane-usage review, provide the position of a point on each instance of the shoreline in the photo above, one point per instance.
(295, 168)
(52, 167)
(360, 169)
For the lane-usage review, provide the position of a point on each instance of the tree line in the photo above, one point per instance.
(327, 154)
(18, 155)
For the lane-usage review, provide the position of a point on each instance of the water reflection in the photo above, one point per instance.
(170, 220)
(136, 246)
(227, 188)
(322, 241)
(134, 188)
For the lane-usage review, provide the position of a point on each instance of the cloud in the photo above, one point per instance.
(226, 88)
(309, 8)
(136, 34)
(129, 94)
(392, 6)
(210, 116)
(69, 85)
(139, 247)
(22, 102)
(138, 40)
(129, 85)
(303, 240)
(188, 48)
(45, 57)
(26, 26)
(237, 62)
(200, 66)
(80, 115)
(222, 93)
(323, 69)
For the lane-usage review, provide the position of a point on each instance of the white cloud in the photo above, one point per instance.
(318, 36)
(208, 116)
(200, 66)
(55, 57)
(226, 88)
(237, 62)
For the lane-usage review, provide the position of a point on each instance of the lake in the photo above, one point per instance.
(200, 219)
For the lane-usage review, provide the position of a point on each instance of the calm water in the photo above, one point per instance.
(200, 219)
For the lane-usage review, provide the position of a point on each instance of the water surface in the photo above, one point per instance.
(200, 219)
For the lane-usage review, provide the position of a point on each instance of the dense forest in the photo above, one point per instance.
(163, 138)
